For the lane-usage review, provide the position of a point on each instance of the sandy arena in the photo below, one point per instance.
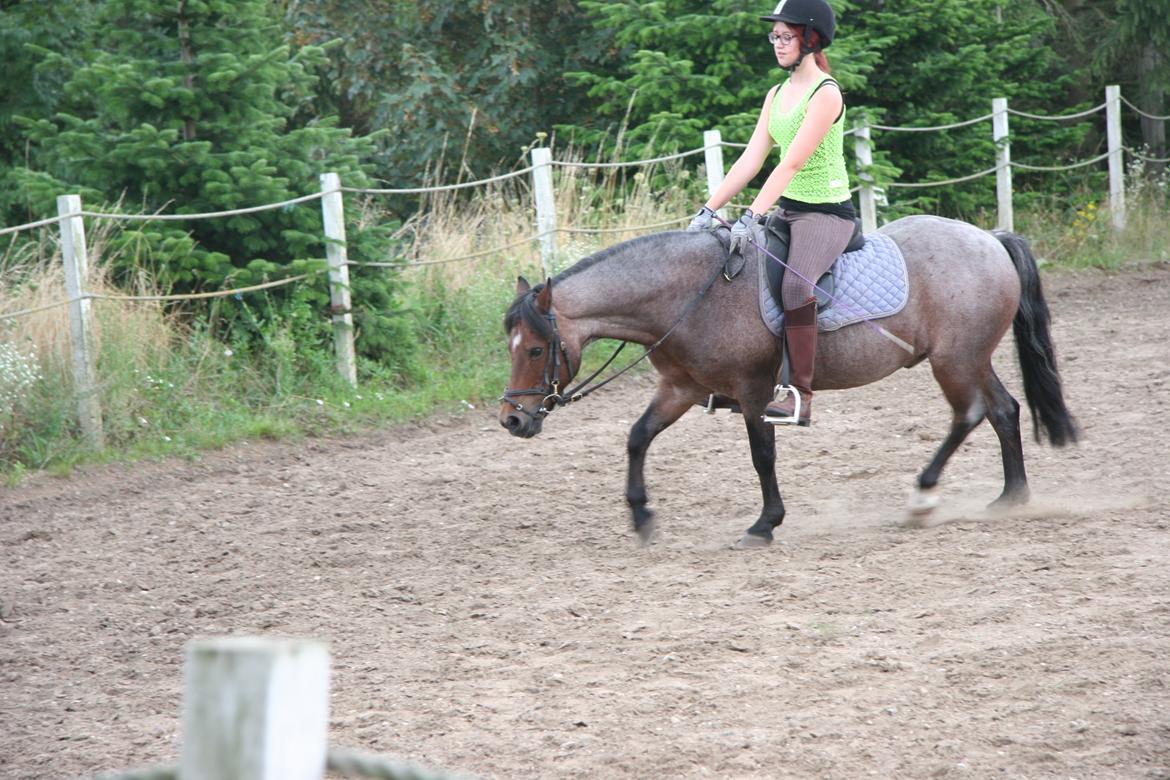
(489, 612)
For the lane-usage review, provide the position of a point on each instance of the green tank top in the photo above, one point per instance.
(823, 179)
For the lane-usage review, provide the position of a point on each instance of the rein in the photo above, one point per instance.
(550, 388)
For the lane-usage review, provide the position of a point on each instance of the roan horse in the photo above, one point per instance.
(967, 286)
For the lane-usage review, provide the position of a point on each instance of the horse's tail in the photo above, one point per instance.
(1042, 386)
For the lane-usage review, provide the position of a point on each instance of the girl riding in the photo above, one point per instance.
(805, 117)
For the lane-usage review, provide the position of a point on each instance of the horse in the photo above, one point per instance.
(966, 286)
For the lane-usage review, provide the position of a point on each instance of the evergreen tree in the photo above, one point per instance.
(189, 106)
(25, 29)
(465, 83)
(942, 61)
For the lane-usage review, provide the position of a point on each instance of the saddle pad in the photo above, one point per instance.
(870, 283)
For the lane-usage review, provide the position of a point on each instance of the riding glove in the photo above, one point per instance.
(702, 220)
(741, 232)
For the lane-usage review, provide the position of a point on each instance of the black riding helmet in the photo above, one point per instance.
(815, 14)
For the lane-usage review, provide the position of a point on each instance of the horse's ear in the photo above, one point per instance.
(522, 285)
(544, 297)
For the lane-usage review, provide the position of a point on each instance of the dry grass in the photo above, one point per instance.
(454, 230)
(138, 333)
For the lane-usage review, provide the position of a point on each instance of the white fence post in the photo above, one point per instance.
(255, 709)
(713, 157)
(1003, 162)
(546, 212)
(333, 217)
(76, 260)
(1116, 161)
(864, 152)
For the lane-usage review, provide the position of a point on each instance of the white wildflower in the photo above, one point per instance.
(19, 371)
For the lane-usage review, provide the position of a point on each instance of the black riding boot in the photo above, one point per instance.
(793, 405)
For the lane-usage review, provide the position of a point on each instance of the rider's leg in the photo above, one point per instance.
(817, 240)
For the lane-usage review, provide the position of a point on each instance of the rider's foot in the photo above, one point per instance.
(790, 407)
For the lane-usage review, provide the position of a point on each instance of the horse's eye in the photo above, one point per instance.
(535, 352)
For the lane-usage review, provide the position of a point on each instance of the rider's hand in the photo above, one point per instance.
(741, 231)
(702, 220)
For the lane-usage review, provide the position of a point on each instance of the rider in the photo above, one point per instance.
(805, 117)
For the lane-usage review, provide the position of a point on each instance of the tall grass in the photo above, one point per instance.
(175, 381)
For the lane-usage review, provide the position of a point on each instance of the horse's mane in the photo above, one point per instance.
(524, 307)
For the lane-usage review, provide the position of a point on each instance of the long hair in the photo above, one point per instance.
(814, 39)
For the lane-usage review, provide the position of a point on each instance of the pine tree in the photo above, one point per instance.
(188, 106)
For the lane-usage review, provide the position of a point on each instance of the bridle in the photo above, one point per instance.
(555, 352)
(550, 386)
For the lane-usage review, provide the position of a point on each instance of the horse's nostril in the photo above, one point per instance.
(511, 423)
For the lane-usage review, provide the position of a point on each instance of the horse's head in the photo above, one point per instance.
(541, 365)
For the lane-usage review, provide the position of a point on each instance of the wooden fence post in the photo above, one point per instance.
(333, 217)
(713, 157)
(1003, 163)
(1116, 161)
(255, 709)
(76, 260)
(546, 212)
(864, 153)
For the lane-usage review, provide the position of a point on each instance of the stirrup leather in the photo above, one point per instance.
(777, 396)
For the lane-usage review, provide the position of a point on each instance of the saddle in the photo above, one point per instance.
(775, 233)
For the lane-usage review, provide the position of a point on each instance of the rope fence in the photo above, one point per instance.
(244, 694)
(348, 763)
(71, 216)
(1138, 111)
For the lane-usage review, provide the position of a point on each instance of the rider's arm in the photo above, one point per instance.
(750, 162)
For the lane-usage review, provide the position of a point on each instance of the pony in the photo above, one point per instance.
(966, 287)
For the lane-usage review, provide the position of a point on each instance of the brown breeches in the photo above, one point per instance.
(817, 240)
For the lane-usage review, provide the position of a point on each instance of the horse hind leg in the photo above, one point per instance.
(968, 410)
(1003, 412)
(668, 404)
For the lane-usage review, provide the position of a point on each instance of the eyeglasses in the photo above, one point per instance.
(783, 38)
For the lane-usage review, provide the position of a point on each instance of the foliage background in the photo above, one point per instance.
(206, 105)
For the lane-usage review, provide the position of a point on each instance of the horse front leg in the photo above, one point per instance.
(762, 437)
(668, 405)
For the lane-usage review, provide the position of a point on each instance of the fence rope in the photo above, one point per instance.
(605, 231)
(26, 312)
(964, 123)
(202, 215)
(349, 763)
(1146, 158)
(484, 253)
(440, 188)
(1125, 100)
(664, 158)
(352, 763)
(959, 180)
(30, 225)
(1081, 164)
(150, 298)
(1058, 117)
(199, 296)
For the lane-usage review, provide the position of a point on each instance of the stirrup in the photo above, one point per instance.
(794, 419)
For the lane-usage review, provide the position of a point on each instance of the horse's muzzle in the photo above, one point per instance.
(519, 424)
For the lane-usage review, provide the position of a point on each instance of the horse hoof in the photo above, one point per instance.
(1008, 502)
(922, 502)
(646, 532)
(752, 541)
